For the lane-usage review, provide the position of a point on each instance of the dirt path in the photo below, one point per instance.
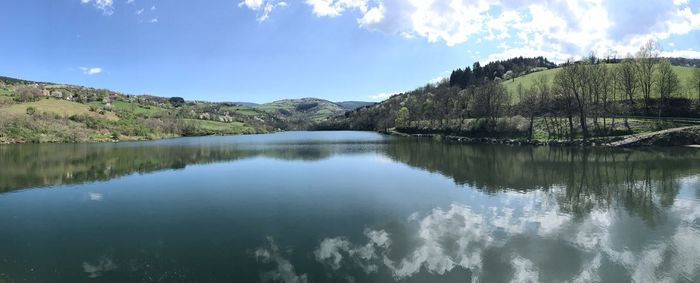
(682, 136)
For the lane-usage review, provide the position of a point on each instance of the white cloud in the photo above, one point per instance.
(103, 265)
(334, 8)
(106, 6)
(688, 53)
(262, 7)
(139, 12)
(284, 272)
(554, 28)
(154, 20)
(382, 96)
(95, 196)
(525, 271)
(437, 79)
(129, 1)
(91, 70)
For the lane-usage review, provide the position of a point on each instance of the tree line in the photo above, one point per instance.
(585, 98)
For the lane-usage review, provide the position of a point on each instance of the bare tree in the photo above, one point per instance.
(570, 81)
(695, 81)
(626, 81)
(647, 58)
(667, 83)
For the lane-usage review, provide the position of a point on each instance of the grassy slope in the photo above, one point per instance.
(288, 108)
(214, 127)
(61, 107)
(684, 74)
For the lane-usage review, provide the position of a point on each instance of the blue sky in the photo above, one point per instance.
(264, 50)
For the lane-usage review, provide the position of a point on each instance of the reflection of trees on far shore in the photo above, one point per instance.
(28, 166)
(583, 178)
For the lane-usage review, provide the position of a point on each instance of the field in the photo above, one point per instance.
(138, 108)
(214, 127)
(56, 106)
(684, 75)
(304, 109)
(243, 110)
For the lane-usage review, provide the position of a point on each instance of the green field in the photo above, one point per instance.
(684, 75)
(137, 108)
(242, 110)
(57, 106)
(303, 109)
(214, 127)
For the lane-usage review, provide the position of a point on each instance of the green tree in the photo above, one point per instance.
(31, 110)
(176, 101)
(402, 118)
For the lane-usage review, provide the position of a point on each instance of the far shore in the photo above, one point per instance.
(681, 136)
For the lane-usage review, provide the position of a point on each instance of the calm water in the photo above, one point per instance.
(346, 207)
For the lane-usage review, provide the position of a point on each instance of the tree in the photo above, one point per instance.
(570, 81)
(529, 104)
(31, 110)
(176, 101)
(402, 118)
(667, 82)
(626, 81)
(647, 58)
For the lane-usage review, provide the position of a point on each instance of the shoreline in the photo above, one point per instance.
(684, 137)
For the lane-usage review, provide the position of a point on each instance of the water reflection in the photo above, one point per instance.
(348, 207)
(525, 239)
(41, 165)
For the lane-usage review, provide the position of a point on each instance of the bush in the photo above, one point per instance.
(31, 110)
(27, 94)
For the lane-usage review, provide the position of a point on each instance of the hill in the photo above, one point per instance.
(587, 100)
(352, 105)
(527, 81)
(303, 112)
(48, 112)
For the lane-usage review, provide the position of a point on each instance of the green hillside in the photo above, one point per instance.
(47, 112)
(302, 112)
(684, 74)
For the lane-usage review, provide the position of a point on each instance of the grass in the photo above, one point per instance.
(214, 127)
(290, 109)
(242, 110)
(138, 108)
(684, 75)
(57, 106)
(5, 100)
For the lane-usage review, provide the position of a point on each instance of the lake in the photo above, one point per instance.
(346, 207)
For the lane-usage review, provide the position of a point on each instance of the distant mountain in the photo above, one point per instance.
(302, 113)
(685, 62)
(352, 105)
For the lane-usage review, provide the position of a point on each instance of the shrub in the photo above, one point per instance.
(31, 110)
(27, 94)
